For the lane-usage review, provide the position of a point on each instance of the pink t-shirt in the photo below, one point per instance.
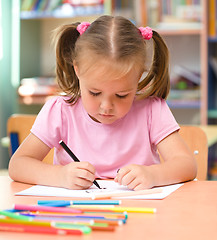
(132, 139)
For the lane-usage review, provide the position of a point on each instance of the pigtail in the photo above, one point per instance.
(157, 82)
(67, 36)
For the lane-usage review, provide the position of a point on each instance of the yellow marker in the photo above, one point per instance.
(134, 209)
(120, 209)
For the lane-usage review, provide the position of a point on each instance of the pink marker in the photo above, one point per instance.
(46, 209)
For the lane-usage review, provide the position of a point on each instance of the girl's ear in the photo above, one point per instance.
(76, 68)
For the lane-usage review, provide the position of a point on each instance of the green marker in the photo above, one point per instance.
(15, 215)
(84, 229)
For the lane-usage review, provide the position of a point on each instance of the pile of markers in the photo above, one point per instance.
(67, 217)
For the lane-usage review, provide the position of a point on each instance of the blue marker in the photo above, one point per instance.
(64, 203)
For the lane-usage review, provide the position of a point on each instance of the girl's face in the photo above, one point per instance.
(107, 99)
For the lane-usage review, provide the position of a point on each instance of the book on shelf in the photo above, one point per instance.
(170, 14)
(184, 103)
(27, 5)
(37, 86)
(83, 2)
(191, 77)
(212, 21)
(124, 8)
(60, 8)
(213, 171)
(185, 85)
(50, 5)
(39, 5)
(187, 94)
(213, 64)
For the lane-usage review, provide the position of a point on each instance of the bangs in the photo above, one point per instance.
(109, 67)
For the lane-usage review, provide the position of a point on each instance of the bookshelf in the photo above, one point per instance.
(183, 25)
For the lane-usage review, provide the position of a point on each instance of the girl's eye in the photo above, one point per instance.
(94, 93)
(121, 96)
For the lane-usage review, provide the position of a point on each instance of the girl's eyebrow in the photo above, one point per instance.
(95, 89)
(126, 91)
(121, 91)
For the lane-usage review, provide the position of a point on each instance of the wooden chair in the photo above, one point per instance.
(194, 136)
(18, 128)
(197, 141)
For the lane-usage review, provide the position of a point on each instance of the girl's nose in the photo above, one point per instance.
(106, 105)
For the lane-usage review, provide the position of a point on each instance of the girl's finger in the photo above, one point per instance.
(87, 166)
(128, 178)
(82, 183)
(121, 173)
(133, 185)
(86, 175)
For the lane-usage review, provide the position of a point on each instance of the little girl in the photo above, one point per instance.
(114, 121)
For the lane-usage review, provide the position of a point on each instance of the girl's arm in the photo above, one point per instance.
(178, 165)
(26, 166)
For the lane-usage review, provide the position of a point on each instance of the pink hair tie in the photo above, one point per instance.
(146, 32)
(82, 27)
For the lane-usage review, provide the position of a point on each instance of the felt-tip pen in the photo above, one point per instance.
(72, 155)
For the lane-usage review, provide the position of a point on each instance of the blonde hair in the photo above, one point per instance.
(118, 41)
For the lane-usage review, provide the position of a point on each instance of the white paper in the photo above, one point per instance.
(110, 187)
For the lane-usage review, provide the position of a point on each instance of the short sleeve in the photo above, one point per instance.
(48, 124)
(161, 120)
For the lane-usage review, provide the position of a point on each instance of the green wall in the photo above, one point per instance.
(8, 101)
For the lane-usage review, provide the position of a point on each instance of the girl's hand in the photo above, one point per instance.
(135, 177)
(77, 175)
